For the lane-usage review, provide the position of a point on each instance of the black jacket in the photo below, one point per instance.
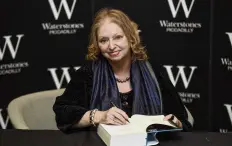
(75, 101)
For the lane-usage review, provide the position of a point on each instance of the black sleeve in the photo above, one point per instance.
(70, 107)
(172, 104)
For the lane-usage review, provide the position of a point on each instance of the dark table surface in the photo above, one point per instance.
(90, 138)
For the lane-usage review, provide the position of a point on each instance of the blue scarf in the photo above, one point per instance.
(145, 101)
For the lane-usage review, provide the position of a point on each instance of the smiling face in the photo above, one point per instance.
(112, 42)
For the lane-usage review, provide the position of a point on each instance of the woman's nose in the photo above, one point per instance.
(111, 45)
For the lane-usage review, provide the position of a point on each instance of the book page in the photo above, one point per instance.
(143, 121)
(122, 129)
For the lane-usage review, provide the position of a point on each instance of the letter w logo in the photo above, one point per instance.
(230, 36)
(8, 44)
(229, 110)
(65, 75)
(56, 12)
(184, 5)
(181, 73)
(3, 122)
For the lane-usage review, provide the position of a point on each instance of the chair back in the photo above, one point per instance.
(34, 111)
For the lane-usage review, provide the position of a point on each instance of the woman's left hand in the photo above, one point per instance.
(174, 119)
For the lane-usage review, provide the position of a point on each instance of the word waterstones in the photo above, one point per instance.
(57, 29)
(49, 26)
(184, 27)
(166, 23)
(12, 68)
(227, 62)
(189, 97)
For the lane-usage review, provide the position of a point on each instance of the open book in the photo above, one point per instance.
(141, 131)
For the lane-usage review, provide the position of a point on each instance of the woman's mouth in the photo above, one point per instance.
(114, 54)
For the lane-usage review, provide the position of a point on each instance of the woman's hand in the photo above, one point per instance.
(174, 119)
(114, 116)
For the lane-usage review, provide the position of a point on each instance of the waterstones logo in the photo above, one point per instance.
(186, 80)
(9, 45)
(64, 73)
(174, 10)
(229, 111)
(3, 121)
(230, 37)
(66, 28)
(11, 68)
(183, 27)
(58, 29)
(180, 26)
(226, 61)
(64, 4)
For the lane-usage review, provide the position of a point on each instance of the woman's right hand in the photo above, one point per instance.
(114, 116)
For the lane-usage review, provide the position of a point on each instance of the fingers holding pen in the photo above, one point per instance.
(122, 113)
(114, 116)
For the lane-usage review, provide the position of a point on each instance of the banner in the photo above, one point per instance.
(189, 41)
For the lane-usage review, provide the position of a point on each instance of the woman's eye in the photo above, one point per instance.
(103, 41)
(118, 37)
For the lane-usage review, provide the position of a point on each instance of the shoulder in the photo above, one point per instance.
(162, 79)
(83, 73)
(86, 67)
(157, 69)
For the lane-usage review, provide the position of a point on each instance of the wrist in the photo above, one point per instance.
(92, 117)
(98, 117)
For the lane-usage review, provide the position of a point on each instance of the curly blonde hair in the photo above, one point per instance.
(129, 28)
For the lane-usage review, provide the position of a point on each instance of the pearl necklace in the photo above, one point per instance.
(122, 81)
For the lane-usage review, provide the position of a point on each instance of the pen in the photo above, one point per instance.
(117, 107)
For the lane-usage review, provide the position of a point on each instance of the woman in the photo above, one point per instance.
(117, 82)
